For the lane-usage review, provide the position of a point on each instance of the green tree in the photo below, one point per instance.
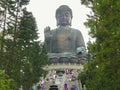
(19, 48)
(33, 55)
(5, 82)
(9, 19)
(103, 69)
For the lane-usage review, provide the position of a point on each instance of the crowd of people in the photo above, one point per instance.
(37, 87)
(73, 87)
(70, 76)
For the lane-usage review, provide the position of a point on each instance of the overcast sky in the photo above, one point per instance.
(44, 12)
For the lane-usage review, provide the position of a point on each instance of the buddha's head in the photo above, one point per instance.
(64, 16)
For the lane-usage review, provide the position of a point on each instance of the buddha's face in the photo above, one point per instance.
(64, 19)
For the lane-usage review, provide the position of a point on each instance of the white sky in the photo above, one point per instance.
(44, 12)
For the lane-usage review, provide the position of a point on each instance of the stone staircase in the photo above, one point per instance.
(64, 79)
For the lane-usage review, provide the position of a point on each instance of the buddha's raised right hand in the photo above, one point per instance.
(46, 29)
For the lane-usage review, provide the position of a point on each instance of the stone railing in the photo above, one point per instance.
(63, 66)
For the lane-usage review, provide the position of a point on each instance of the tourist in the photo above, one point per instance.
(65, 86)
(42, 88)
(34, 87)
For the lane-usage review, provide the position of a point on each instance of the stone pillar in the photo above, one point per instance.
(80, 85)
(84, 87)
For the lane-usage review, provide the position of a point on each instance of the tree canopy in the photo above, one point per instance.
(103, 69)
(22, 54)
